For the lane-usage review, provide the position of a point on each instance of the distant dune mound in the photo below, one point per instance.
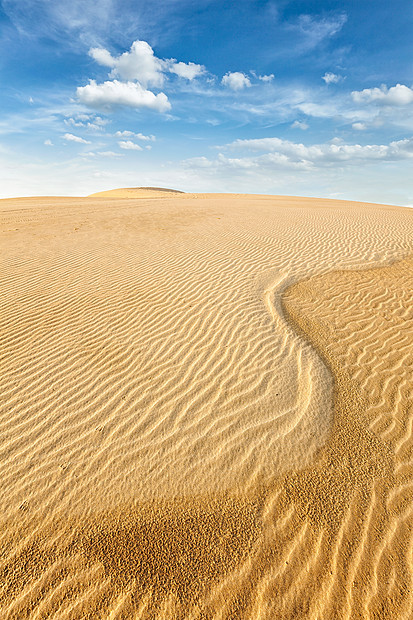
(135, 192)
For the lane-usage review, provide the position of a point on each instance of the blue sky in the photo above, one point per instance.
(281, 97)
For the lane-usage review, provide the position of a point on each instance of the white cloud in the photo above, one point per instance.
(236, 80)
(128, 145)
(331, 78)
(138, 136)
(71, 138)
(102, 57)
(188, 71)
(48, 142)
(299, 125)
(141, 64)
(396, 95)
(359, 126)
(262, 78)
(328, 153)
(266, 78)
(113, 93)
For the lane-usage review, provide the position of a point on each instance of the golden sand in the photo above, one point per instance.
(206, 408)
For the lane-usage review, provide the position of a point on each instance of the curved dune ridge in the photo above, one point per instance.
(206, 408)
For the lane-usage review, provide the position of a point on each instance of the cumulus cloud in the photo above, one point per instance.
(398, 95)
(236, 80)
(141, 64)
(69, 137)
(102, 56)
(188, 71)
(128, 145)
(48, 142)
(328, 153)
(138, 136)
(331, 78)
(115, 93)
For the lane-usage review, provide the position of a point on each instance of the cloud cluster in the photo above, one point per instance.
(133, 73)
(88, 121)
(115, 93)
(141, 64)
(330, 153)
(398, 95)
(140, 70)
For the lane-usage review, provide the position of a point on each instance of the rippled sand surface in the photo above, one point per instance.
(206, 407)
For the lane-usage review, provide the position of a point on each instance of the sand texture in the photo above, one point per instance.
(206, 407)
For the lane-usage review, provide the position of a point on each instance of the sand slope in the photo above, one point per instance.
(185, 435)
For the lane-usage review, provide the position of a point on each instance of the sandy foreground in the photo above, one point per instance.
(206, 407)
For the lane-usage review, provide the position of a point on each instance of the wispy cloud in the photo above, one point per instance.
(109, 154)
(300, 125)
(69, 137)
(314, 29)
(82, 23)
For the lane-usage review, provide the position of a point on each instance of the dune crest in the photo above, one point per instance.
(135, 192)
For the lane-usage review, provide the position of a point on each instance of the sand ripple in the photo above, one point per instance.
(156, 397)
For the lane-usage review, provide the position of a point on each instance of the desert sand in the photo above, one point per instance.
(206, 407)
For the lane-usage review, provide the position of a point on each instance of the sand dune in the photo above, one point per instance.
(136, 192)
(205, 407)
